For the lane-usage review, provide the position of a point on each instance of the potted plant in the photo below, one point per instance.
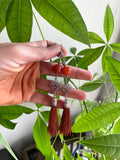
(102, 119)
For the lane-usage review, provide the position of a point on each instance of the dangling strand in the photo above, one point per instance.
(65, 125)
(53, 127)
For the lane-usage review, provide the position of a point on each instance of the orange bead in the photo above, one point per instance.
(66, 70)
(57, 68)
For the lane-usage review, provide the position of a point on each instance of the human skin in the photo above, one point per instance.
(21, 65)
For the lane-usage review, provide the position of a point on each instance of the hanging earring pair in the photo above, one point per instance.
(65, 125)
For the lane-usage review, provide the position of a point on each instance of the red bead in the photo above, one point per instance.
(66, 70)
(57, 68)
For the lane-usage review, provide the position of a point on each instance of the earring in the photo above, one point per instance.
(53, 127)
(65, 125)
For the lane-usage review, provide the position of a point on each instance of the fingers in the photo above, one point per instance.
(34, 54)
(44, 99)
(43, 84)
(76, 73)
(44, 43)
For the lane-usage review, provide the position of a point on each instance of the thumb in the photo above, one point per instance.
(27, 54)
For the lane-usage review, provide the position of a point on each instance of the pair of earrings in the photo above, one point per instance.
(65, 125)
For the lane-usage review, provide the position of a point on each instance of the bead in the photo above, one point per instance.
(66, 70)
(54, 102)
(57, 68)
(67, 104)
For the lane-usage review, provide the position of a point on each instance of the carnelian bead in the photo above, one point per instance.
(56, 68)
(66, 70)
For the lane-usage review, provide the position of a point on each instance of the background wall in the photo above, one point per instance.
(93, 14)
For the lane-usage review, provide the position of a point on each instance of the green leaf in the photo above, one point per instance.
(4, 4)
(72, 62)
(45, 115)
(6, 145)
(73, 50)
(116, 128)
(95, 38)
(90, 56)
(108, 145)
(90, 86)
(19, 21)
(107, 52)
(50, 157)
(97, 118)
(38, 105)
(41, 137)
(64, 16)
(66, 153)
(115, 47)
(108, 23)
(113, 67)
(78, 157)
(93, 85)
(13, 112)
(55, 154)
(6, 123)
(89, 156)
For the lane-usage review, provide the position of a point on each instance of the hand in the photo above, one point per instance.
(21, 65)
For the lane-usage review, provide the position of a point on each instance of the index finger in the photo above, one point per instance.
(76, 73)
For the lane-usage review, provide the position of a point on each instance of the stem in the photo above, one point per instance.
(85, 106)
(81, 107)
(76, 138)
(107, 91)
(38, 26)
(73, 84)
(104, 157)
(54, 141)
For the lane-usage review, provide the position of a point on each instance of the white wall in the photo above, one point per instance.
(93, 14)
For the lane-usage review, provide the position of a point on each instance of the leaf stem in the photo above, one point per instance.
(104, 157)
(38, 26)
(54, 141)
(85, 106)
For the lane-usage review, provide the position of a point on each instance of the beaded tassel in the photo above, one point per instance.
(53, 127)
(65, 125)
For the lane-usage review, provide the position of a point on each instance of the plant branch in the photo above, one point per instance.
(38, 26)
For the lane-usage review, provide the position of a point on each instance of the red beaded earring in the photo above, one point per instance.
(65, 125)
(53, 127)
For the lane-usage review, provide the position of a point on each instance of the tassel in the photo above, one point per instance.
(65, 125)
(53, 128)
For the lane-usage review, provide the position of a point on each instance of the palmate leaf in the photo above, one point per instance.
(13, 112)
(108, 23)
(64, 16)
(4, 4)
(19, 20)
(6, 123)
(41, 137)
(6, 145)
(90, 55)
(73, 50)
(66, 153)
(107, 52)
(115, 47)
(97, 118)
(108, 145)
(113, 67)
(95, 38)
